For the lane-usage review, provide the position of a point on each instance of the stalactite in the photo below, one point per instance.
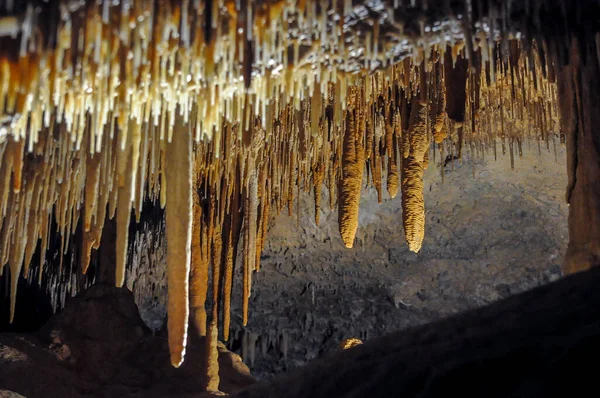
(212, 358)
(393, 177)
(123, 219)
(318, 175)
(415, 149)
(236, 218)
(262, 216)
(179, 221)
(440, 126)
(216, 254)
(351, 180)
(413, 205)
(198, 270)
(376, 163)
(250, 218)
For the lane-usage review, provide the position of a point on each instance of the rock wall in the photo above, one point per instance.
(146, 274)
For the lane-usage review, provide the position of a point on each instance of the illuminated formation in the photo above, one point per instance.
(349, 343)
(222, 111)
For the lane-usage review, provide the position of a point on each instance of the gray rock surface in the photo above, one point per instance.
(539, 343)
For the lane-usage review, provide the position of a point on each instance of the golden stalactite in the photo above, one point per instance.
(250, 218)
(215, 256)
(318, 176)
(415, 149)
(350, 185)
(211, 370)
(229, 260)
(413, 204)
(440, 132)
(418, 136)
(235, 218)
(198, 269)
(426, 160)
(376, 163)
(393, 175)
(179, 225)
(123, 211)
(440, 116)
(263, 209)
(216, 237)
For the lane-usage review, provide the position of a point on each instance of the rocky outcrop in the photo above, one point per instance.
(9, 394)
(536, 344)
(98, 345)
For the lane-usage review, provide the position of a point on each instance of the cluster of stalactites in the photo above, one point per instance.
(324, 143)
(216, 193)
(380, 135)
(521, 104)
(371, 129)
(136, 106)
(118, 65)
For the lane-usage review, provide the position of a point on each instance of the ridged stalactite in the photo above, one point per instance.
(350, 186)
(413, 204)
(415, 148)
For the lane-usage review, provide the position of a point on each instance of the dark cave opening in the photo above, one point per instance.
(33, 308)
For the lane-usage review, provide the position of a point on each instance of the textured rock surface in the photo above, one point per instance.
(147, 272)
(99, 346)
(537, 344)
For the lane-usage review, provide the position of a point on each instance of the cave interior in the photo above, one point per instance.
(149, 148)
